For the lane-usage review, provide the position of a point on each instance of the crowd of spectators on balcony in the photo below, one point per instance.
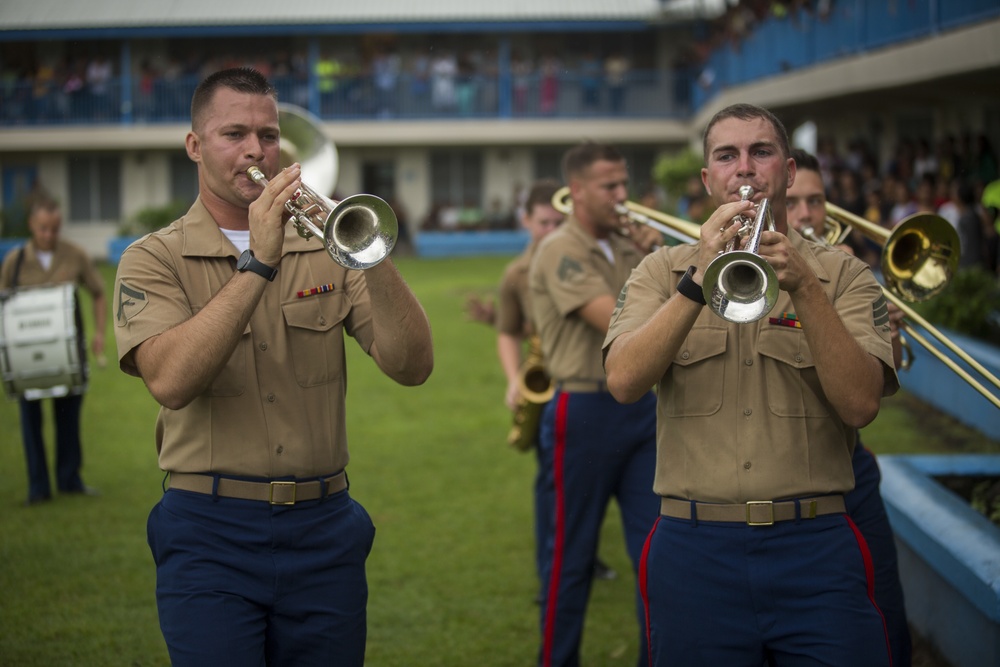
(357, 82)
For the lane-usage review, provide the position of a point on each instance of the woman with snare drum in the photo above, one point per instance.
(48, 260)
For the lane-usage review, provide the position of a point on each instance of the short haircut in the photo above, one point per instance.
(805, 160)
(541, 194)
(41, 200)
(577, 159)
(241, 79)
(748, 112)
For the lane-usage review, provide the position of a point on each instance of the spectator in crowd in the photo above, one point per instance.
(971, 235)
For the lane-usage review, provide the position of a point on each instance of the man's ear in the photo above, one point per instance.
(193, 145)
(704, 181)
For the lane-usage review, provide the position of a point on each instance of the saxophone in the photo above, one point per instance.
(536, 390)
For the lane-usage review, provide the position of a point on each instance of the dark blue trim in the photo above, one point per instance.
(255, 30)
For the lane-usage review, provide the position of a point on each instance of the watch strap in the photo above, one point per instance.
(250, 263)
(689, 288)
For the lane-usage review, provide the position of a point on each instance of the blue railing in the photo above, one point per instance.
(777, 46)
(647, 93)
(773, 47)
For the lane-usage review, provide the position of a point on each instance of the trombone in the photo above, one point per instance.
(919, 255)
(924, 237)
(919, 258)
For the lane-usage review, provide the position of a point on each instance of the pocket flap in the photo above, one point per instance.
(316, 313)
(786, 345)
(702, 343)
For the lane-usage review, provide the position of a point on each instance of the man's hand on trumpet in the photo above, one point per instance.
(718, 231)
(268, 215)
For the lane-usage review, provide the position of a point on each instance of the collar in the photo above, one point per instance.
(619, 245)
(203, 238)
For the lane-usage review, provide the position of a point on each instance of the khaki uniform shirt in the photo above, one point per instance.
(741, 414)
(513, 309)
(569, 270)
(277, 407)
(70, 264)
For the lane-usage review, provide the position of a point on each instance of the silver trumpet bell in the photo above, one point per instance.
(359, 231)
(739, 285)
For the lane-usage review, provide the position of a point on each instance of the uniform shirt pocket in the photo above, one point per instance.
(793, 387)
(315, 335)
(698, 373)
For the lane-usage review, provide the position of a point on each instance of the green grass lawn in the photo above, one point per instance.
(451, 574)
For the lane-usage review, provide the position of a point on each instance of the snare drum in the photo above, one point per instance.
(41, 343)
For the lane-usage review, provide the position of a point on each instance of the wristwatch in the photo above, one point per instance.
(247, 262)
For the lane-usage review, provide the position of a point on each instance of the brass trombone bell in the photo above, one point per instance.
(919, 255)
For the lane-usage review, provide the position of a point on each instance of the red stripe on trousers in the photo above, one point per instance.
(866, 555)
(644, 587)
(559, 528)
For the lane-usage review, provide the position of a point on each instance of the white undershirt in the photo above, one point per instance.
(605, 245)
(44, 258)
(238, 237)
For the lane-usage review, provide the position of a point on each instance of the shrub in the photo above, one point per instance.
(968, 305)
(153, 218)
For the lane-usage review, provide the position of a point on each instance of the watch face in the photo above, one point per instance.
(243, 261)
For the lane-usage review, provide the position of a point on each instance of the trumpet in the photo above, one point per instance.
(740, 286)
(749, 286)
(359, 231)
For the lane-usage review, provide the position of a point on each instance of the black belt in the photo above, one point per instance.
(754, 512)
(273, 492)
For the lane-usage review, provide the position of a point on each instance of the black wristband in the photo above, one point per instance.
(689, 288)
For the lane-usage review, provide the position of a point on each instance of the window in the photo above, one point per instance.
(456, 178)
(94, 188)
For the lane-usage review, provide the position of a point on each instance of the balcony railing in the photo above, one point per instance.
(777, 46)
(644, 94)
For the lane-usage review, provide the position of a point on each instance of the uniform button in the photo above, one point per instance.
(263, 346)
(685, 355)
(748, 362)
(322, 321)
(798, 358)
(270, 398)
(747, 411)
(281, 448)
(746, 465)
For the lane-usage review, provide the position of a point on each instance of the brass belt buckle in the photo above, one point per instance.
(760, 503)
(271, 499)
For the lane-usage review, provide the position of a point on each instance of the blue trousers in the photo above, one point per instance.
(591, 449)
(795, 593)
(865, 506)
(69, 459)
(245, 583)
